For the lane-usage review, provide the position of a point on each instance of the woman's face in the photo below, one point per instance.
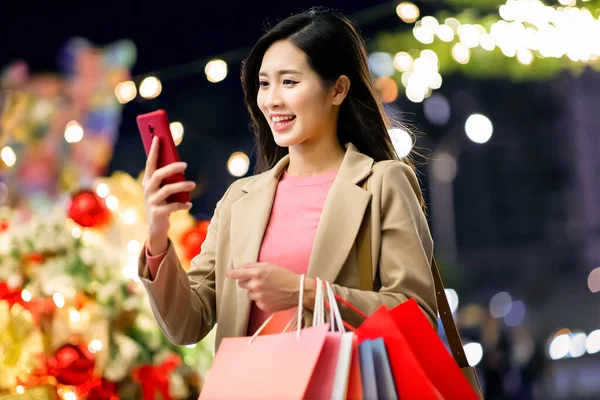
(293, 98)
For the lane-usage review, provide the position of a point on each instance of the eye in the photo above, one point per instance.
(263, 83)
(289, 82)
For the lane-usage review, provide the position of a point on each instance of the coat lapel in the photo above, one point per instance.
(249, 219)
(340, 221)
(342, 215)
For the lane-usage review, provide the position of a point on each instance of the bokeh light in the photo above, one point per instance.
(150, 87)
(479, 128)
(216, 70)
(238, 164)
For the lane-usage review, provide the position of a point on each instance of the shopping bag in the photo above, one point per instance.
(321, 386)
(331, 374)
(376, 374)
(365, 273)
(431, 353)
(410, 380)
(277, 366)
(355, 389)
(342, 370)
(270, 367)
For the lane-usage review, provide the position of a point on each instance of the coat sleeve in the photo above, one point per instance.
(184, 303)
(406, 251)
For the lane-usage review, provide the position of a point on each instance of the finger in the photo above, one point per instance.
(161, 195)
(251, 265)
(241, 274)
(162, 173)
(152, 157)
(253, 296)
(166, 209)
(245, 284)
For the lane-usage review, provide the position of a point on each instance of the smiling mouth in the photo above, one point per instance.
(282, 120)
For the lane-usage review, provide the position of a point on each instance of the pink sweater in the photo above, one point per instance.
(290, 233)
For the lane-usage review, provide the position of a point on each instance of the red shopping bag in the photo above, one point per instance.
(420, 362)
(268, 367)
(430, 352)
(409, 377)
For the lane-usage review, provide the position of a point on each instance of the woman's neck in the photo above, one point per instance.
(308, 159)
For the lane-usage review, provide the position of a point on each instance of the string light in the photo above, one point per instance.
(402, 141)
(238, 164)
(125, 91)
(8, 156)
(525, 29)
(102, 190)
(150, 87)
(403, 61)
(58, 299)
(177, 132)
(26, 295)
(216, 70)
(479, 129)
(112, 202)
(407, 11)
(73, 132)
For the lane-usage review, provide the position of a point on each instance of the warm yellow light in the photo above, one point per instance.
(59, 300)
(26, 295)
(461, 53)
(112, 202)
(95, 346)
(407, 11)
(150, 87)
(102, 190)
(125, 91)
(73, 132)
(74, 315)
(403, 61)
(216, 70)
(177, 132)
(8, 156)
(238, 164)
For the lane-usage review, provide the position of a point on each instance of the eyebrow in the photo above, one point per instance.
(283, 72)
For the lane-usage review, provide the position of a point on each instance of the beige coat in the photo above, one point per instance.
(188, 304)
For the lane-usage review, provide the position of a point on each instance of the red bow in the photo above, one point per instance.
(156, 378)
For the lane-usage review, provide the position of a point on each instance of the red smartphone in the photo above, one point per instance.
(156, 124)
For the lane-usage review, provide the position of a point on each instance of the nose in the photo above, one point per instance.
(272, 98)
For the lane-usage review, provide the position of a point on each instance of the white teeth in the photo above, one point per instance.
(282, 118)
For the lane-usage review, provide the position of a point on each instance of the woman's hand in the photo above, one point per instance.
(271, 287)
(157, 208)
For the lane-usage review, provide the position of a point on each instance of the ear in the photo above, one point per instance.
(340, 90)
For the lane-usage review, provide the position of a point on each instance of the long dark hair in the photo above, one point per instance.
(334, 47)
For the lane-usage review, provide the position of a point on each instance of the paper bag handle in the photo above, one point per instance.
(299, 313)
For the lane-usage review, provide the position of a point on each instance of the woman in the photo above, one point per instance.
(320, 133)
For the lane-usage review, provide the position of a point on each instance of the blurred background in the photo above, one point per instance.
(500, 99)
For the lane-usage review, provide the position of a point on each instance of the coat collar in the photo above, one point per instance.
(355, 167)
(336, 233)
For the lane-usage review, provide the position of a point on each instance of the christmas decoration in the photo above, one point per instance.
(57, 131)
(77, 319)
(88, 210)
(192, 239)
